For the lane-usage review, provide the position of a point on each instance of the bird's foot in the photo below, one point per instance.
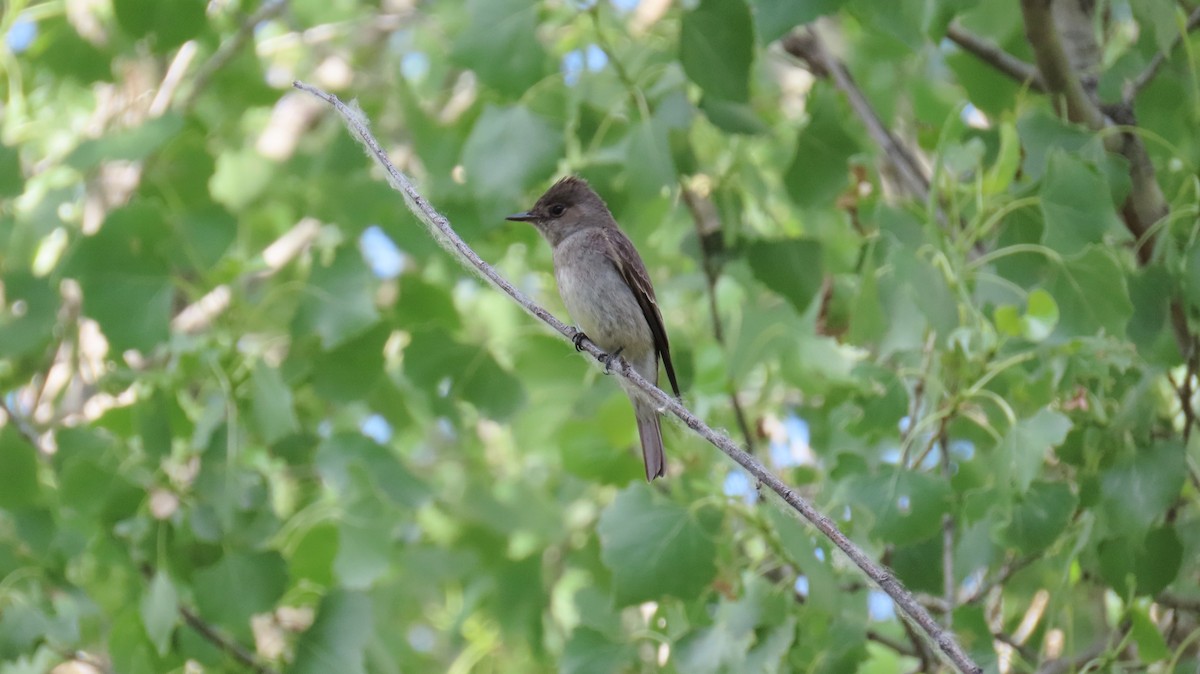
(577, 340)
(609, 358)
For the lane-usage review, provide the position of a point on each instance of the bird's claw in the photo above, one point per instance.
(609, 358)
(577, 340)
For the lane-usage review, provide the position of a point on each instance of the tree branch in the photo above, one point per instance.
(440, 228)
(991, 54)
(229, 49)
(807, 47)
(228, 646)
(708, 232)
(1054, 65)
(1135, 86)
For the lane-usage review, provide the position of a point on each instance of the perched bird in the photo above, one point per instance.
(604, 284)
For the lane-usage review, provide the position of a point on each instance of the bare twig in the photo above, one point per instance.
(1076, 663)
(22, 425)
(1135, 86)
(892, 643)
(1177, 602)
(230, 48)
(991, 54)
(445, 235)
(228, 646)
(1006, 571)
(708, 229)
(807, 46)
(947, 528)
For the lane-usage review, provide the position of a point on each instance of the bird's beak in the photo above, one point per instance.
(527, 216)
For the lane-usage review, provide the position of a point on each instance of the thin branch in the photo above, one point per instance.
(892, 643)
(1145, 204)
(228, 646)
(1054, 65)
(708, 229)
(445, 235)
(1135, 86)
(1179, 603)
(993, 55)
(22, 426)
(947, 528)
(1076, 663)
(940, 605)
(807, 46)
(230, 48)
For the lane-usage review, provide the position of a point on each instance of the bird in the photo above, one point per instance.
(606, 289)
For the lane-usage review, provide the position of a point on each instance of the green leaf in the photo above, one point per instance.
(500, 44)
(1043, 135)
(1007, 319)
(1151, 646)
(509, 150)
(1041, 316)
(1091, 294)
(1023, 449)
(648, 162)
(1008, 159)
(1191, 277)
(171, 22)
(239, 585)
(732, 116)
(28, 317)
(907, 506)
(716, 48)
(124, 273)
(131, 144)
(1142, 486)
(775, 18)
(338, 638)
(312, 558)
(352, 370)
(1139, 565)
(818, 172)
(433, 357)
(342, 454)
(160, 611)
(790, 267)
(18, 470)
(12, 180)
(1076, 205)
(654, 547)
(60, 50)
(1038, 516)
(722, 647)
(591, 652)
(338, 303)
(271, 404)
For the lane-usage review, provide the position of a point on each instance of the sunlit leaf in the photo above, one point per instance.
(716, 48)
(654, 547)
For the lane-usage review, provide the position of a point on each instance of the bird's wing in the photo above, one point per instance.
(625, 258)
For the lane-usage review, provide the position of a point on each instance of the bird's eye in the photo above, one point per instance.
(557, 209)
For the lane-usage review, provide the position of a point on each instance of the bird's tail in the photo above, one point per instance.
(651, 436)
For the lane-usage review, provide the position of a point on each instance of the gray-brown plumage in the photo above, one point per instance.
(605, 286)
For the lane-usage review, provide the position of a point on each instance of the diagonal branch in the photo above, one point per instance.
(440, 228)
(1135, 86)
(232, 648)
(708, 232)
(993, 55)
(807, 47)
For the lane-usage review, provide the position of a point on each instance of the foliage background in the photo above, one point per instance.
(258, 420)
